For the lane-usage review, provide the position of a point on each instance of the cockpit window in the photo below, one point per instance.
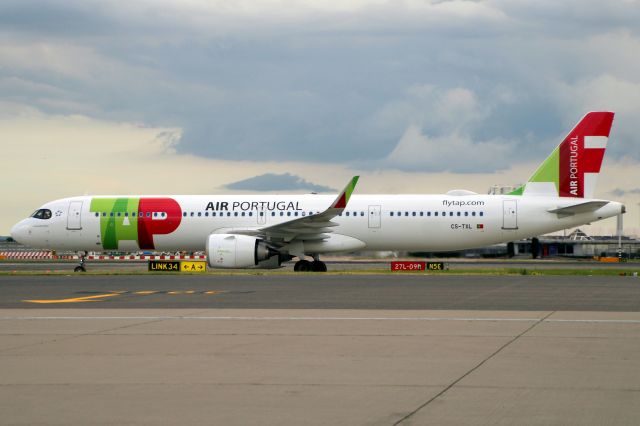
(42, 214)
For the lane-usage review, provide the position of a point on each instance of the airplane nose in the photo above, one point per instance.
(19, 232)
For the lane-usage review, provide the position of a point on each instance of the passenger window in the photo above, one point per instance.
(228, 214)
(413, 214)
(235, 213)
(361, 213)
(119, 214)
(458, 213)
(473, 213)
(191, 214)
(281, 213)
(97, 214)
(104, 214)
(148, 214)
(390, 213)
(435, 213)
(111, 214)
(450, 213)
(347, 214)
(481, 214)
(295, 214)
(272, 213)
(206, 214)
(184, 214)
(466, 213)
(421, 213)
(288, 213)
(213, 214)
(428, 213)
(243, 213)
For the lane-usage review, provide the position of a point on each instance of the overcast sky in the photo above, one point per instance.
(468, 93)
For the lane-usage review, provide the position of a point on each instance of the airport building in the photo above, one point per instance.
(575, 245)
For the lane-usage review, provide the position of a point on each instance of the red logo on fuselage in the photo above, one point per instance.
(150, 225)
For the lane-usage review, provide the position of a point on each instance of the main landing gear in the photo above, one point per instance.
(80, 267)
(305, 266)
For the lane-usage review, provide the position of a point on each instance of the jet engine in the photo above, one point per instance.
(237, 251)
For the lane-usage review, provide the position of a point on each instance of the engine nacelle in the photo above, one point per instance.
(237, 251)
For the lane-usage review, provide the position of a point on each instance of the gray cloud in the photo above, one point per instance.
(333, 82)
(277, 182)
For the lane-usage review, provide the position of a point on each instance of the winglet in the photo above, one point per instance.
(343, 198)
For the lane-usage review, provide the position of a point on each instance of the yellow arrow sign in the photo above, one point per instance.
(197, 266)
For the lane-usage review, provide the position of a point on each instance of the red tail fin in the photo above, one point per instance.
(581, 154)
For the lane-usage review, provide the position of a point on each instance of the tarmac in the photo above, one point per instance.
(319, 349)
(324, 291)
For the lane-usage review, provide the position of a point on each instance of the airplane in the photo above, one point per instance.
(263, 231)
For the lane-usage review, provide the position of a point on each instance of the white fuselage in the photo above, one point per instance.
(381, 222)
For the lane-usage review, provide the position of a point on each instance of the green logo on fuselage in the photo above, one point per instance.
(118, 220)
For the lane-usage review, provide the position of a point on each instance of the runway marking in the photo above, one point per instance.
(96, 298)
(102, 297)
(247, 318)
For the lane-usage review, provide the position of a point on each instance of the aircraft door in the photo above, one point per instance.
(374, 217)
(510, 214)
(74, 216)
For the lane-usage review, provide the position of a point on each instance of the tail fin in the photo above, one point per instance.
(572, 168)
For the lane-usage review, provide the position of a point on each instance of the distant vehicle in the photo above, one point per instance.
(248, 231)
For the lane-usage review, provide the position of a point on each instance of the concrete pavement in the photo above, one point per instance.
(282, 366)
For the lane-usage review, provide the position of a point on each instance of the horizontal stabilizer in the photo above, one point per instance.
(589, 206)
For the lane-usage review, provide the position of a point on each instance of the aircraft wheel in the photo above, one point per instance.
(302, 266)
(79, 269)
(318, 266)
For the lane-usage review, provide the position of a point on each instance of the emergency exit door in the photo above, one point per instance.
(374, 217)
(74, 218)
(510, 214)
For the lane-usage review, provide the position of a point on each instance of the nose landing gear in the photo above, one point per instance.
(80, 267)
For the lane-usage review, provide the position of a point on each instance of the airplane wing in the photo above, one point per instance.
(589, 206)
(308, 228)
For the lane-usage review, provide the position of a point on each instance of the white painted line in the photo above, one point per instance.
(241, 318)
(596, 321)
